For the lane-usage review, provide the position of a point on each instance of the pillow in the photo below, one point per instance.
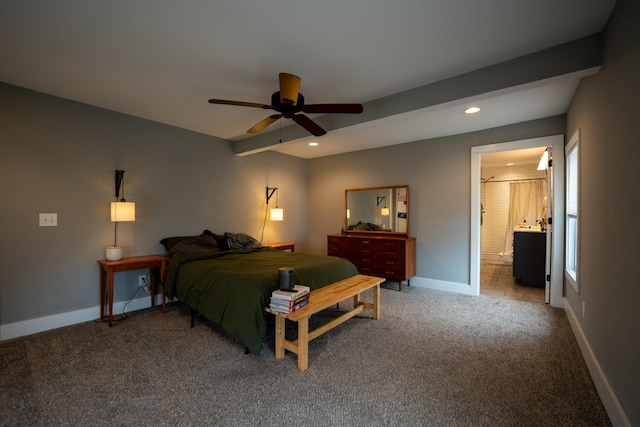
(194, 245)
(170, 242)
(241, 241)
(220, 238)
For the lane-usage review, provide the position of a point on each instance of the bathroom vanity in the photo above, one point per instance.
(529, 256)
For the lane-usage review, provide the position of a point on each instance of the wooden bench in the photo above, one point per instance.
(319, 300)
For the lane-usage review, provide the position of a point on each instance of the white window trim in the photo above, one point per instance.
(573, 276)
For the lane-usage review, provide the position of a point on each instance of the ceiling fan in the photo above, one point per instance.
(289, 103)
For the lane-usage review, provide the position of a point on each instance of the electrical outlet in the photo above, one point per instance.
(142, 281)
(48, 220)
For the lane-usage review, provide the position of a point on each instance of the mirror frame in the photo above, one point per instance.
(385, 233)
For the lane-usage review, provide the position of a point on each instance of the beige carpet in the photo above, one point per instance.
(434, 358)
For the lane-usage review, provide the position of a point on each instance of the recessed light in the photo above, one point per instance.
(313, 144)
(472, 110)
(510, 164)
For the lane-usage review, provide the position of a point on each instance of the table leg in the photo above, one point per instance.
(110, 275)
(163, 270)
(279, 337)
(102, 289)
(303, 344)
(152, 278)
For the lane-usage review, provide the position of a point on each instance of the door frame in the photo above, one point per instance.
(557, 234)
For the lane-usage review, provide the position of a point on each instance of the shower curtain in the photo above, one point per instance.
(526, 202)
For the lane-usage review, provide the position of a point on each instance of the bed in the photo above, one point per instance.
(229, 279)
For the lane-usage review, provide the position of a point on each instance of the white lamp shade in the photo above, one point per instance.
(123, 211)
(544, 161)
(277, 214)
(348, 213)
(384, 211)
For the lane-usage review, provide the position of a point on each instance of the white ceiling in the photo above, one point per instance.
(163, 59)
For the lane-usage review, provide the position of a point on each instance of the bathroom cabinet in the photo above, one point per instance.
(391, 257)
(529, 256)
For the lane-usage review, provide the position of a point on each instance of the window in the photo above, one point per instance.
(572, 212)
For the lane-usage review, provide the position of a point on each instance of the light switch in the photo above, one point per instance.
(48, 220)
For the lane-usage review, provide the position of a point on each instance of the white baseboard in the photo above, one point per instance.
(607, 395)
(441, 285)
(41, 324)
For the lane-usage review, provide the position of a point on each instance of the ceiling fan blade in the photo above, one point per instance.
(289, 88)
(309, 124)
(333, 108)
(264, 123)
(241, 104)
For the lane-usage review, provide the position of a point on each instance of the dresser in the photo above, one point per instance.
(391, 257)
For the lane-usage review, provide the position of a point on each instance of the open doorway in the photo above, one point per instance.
(513, 194)
(553, 270)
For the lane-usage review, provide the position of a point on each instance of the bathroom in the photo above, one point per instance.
(513, 194)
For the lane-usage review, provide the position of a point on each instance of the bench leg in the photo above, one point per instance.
(303, 344)
(279, 337)
(376, 302)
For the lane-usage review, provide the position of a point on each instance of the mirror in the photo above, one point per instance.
(377, 209)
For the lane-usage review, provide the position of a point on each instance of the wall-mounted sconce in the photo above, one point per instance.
(384, 211)
(544, 161)
(275, 214)
(121, 211)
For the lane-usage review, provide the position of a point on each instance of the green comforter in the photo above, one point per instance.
(232, 288)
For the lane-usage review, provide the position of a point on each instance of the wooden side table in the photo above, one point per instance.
(109, 268)
(283, 246)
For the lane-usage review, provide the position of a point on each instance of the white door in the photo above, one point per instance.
(549, 219)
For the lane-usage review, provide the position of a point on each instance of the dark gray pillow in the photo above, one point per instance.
(170, 242)
(194, 245)
(241, 241)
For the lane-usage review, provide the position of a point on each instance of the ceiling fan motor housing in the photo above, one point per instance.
(287, 110)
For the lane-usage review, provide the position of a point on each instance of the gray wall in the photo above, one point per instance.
(605, 109)
(438, 173)
(60, 156)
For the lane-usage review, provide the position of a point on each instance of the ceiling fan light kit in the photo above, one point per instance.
(289, 103)
(289, 88)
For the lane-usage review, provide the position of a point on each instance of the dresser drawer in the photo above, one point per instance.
(390, 249)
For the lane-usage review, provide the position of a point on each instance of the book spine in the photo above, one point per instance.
(285, 303)
(289, 297)
(284, 309)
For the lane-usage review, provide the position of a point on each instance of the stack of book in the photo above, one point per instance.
(289, 301)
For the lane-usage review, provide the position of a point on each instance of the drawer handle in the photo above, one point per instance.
(389, 253)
